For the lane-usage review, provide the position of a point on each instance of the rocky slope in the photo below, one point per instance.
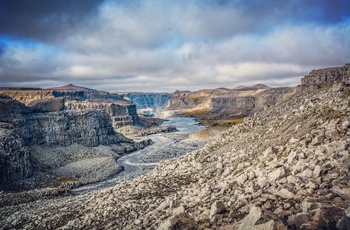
(286, 167)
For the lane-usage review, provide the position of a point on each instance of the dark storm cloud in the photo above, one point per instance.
(44, 20)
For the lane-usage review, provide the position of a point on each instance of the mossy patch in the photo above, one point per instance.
(61, 182)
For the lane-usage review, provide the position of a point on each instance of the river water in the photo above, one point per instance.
(136, 164)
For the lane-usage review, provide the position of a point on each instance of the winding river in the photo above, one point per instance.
(135, 164)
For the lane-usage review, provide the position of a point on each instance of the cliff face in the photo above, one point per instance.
(327, 75)
(22, 126)
(71, 97)
(26, 96)
(122, 113)
(89, 128)
(14, 158)
(148, 100)
(226, 103)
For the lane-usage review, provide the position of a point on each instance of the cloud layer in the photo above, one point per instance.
(167, 45)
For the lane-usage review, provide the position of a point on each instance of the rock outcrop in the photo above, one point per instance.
(14, 158)
(70, 92)
(72, 97)
(89, 128)
(122, 113)
(328, 75)
(225, 103)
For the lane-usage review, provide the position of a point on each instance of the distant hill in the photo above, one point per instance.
(71, 87)
(253, 87)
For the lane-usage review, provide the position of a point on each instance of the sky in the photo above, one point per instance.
(163, 45)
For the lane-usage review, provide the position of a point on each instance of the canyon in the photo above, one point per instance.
(36, 123)
(285, 166)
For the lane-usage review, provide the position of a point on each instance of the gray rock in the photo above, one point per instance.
(15, 162)
(284, 193)
(344, 222)
(249, 222)
(217, 207)
(317, 140)
(276, 174)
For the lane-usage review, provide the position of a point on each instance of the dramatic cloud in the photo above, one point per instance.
(136, 45)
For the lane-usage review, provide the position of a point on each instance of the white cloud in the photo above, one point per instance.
(160, 45)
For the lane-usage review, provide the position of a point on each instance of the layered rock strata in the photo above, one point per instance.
(44, 123)
(14, 158)
(70, 92)
(225, 103)
(122, 113)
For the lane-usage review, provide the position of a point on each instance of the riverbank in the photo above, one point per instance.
(165, 146)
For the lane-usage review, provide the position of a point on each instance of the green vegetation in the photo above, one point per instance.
(196, 113)
(207, 118)
(196, 96)
(60, 182)
(223, 123)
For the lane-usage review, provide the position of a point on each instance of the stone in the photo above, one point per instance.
(249, 222)
(182, 221)
(269, 153)
(216, 208)
(294, 140)
(284, 193)
(344, 222)
(317, 171)
(307, 173)
(345, 124)
(332, 134)
(242, 178)
(137, 222)
(276, 174)
(291, 156)
(317, 140)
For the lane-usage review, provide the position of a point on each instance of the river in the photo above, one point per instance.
(144, 160)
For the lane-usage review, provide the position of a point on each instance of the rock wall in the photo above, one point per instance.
(122, 113)
(14, 158)
(88, 127)
(22, 126)
(148, 100)
(71, 97)
(327, 75)
(226, 102)
(26, 96)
